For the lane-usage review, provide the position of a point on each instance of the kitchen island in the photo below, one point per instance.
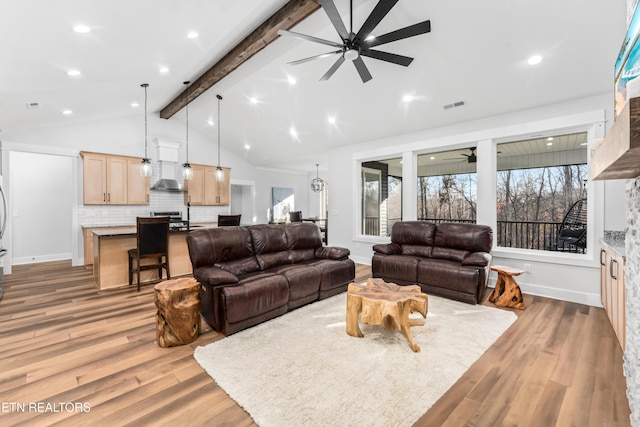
(111, 259)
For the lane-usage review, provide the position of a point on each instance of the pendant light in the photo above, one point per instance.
(187, 172)
(317, 184)
(145, 169)
(219, 170)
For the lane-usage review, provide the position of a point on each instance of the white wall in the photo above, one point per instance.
(40, 203)
(574, 278)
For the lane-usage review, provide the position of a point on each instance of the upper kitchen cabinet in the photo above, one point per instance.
(204, 190)
(617, 156)
(113, 180)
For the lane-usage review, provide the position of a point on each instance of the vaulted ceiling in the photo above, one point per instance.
(474, 53)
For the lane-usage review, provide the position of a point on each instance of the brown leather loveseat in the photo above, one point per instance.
(251, 274)
(450, 260)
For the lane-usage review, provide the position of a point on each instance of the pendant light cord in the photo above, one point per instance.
(219, 99)
(145, 86)
(186, 109)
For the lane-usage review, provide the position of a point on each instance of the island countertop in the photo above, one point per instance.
(111, 258)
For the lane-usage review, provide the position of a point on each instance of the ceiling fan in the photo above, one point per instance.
(356, 45)
(471, 158)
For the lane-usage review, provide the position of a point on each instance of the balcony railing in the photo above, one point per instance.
(538, 235)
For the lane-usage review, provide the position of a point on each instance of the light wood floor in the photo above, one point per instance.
(62, 340)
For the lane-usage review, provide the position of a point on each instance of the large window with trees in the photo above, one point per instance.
(446, 186)
(541, 193)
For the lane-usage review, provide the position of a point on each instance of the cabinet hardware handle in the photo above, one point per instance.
(108, 197)
(602, 251)
(613, 276)
(104, 197)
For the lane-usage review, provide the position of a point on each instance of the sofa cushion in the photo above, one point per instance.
(214, 276)
(469, 237)
(332, 252)
(388, 248)
(304, 280)
(239, 266)
(254, 297)
(395, 267)
(451, 254)
(413, 233)
(334, 273)
(300, 255)
(417, 250)
(303, 235)
(270, 245)
(448, 274)
(208, 246)
(479, 259)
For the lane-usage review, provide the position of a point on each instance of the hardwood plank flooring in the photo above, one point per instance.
(64, 341)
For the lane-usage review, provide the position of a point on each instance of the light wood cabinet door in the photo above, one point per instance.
(223, 188)
(116, 180)
(217, 192)
(94, 179)
(195, 187)
(137, 183)
(612, 288)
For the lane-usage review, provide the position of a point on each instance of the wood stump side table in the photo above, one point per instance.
(381, 303)
(178, 315)
(507, 291)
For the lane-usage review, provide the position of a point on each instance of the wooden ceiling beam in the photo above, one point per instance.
(284, 19)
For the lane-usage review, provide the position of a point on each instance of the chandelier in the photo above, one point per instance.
(317, 184)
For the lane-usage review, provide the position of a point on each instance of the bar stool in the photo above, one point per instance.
(152, 243)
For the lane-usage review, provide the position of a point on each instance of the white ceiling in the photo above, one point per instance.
(476, 52)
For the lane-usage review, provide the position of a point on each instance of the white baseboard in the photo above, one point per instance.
(40, 258)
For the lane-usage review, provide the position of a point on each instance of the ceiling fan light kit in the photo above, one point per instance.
(356, 45)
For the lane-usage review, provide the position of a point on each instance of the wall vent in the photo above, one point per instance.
(454, 105)
(32, 105)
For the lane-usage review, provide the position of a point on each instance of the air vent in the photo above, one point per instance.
(454, 105)
(32, 105)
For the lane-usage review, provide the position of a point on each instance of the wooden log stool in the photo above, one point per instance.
(381, 303)
(507, 291)
(178, 315)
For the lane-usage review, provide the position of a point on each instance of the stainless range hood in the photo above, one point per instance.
(167, 184)
(168, 161)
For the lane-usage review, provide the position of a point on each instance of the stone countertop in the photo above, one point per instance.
(615, 242)
(126, 231)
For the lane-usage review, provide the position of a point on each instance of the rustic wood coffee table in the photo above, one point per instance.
(381, 303)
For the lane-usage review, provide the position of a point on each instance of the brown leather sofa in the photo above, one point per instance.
(254, 273)
(450, 260)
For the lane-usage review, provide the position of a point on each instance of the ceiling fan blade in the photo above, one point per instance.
(403, 33)
(379, 12)
(312, 58)
(386, 56)
(332, 12)
(309, 38)
(333, 69)
(365, 75)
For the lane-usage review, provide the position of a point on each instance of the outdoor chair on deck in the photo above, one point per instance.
(572, 234)
(152, 243)
(295, 216)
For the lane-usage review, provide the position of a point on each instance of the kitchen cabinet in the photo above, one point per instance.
(204, 190)
(612, 290)
(113, 180)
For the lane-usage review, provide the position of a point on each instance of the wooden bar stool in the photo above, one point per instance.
(507, 291)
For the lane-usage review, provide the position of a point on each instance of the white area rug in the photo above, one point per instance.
(302, 369)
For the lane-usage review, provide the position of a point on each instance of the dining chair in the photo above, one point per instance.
(152, 236)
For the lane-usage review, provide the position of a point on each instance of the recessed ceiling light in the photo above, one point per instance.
(332, 120)
(253, 100)
(81, 29)
(293, 132)
(192, 35)
(291, 80)
(584, 143)
(549, 144)
(164, 70)
(73, 73)
(432, 158)
(67, 112)
(535, 59)
(210, 122)
(408, 98)
(135, 104)
(247, 147)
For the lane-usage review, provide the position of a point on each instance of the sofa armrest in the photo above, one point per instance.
(388, 249)
(479, 259)
(214, 276)
(332, 252)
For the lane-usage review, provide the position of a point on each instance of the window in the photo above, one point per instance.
(539, 181)
(447, 186)
(381, 196)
